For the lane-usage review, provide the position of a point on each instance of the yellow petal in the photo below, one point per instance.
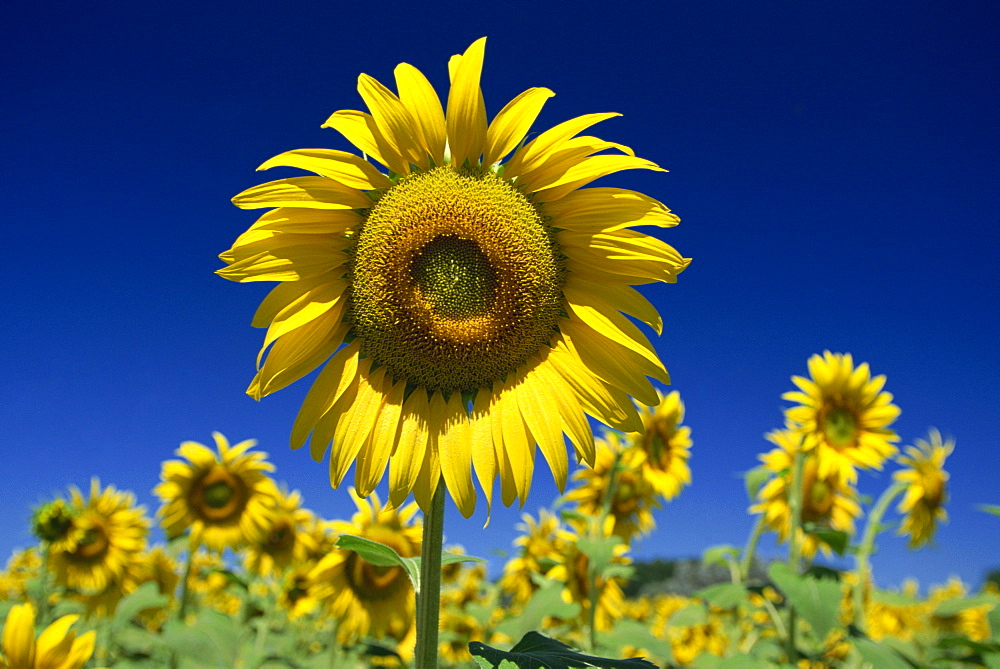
(324, 298)
(19, 637)
(484, 457)
(466, 117)
(360, 130)
(419, 97)
(313, 221)
(589, 169)
(607, 321)
(374, 455)
(454, 450)
(570, 153)
(54, 644)
(537, 150)
(539, 411)
(614, 363)
(572, 414)
(299, 353)
(603, 209)
(308, 192)
(411, 447)
(329, 385)
(607, 296)
(356, 422)
(393, 121)
(519, 447)
(343, 167)
(512, 123)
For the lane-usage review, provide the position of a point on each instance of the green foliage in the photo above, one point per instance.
(817, 600)
(535, 651)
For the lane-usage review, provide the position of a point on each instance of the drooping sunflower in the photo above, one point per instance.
(224, 499)
(113, 533)
(286, 539)
(844, 413)
(926, 493)
(631, 502)
(472, 305)
(367, 599)
(57, 647)
(829, 501)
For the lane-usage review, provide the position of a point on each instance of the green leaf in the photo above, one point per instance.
(452, 558)
(723, 595)
(724, 555)
(837, 540)
(381, 555)
(144, 598)
(989, 508)
(816, 600)
(536, 651)
(754, 480)
(636, 634)
(693, 614)
(743, 662)
(952, 607)
(879, 656)
(600, 552)
(545, 602)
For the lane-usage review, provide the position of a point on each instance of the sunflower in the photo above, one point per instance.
(666, 444)
(923, 501)
(539, 545)
(54, 523)
(286, 539)
(368, 599)
(224, 499)
(631, 502)
(57, 647)
(828, 501)
(295, 595)
(112, 537)
(473, 307)
(844, 413)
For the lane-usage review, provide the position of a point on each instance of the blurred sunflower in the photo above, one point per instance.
(112, 536)
(286, 539)
(473, 308)
(926, 493)
(57, 647)
(629, 505)
(295, 596)
(844, 414)
(54, 523)
(22, 567)
(224, 499)
(367, 599)
(538, 547)
(827, 501)
(666, 444)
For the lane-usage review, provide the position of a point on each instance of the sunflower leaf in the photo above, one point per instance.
(381, 555)
(817, 599)
(989, 508)
(535, 651)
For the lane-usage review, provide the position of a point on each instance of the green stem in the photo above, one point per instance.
(182, 609)
(867, 547)
(597, 532)
(751, 548)
(795, 496)
(429, 594)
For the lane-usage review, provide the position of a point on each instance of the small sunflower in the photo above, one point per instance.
(296, 594)
(827, 501)
(286, 539)
(112, 537)
(57, 647)
(844, 413)
(539, 545)
(473, 307)
(22, 567)
(926, 491)
(224, 499)
(54, 523)
(667, 445)
(634, 497)
(370, 600)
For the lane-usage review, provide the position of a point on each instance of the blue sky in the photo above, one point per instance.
(833, 164)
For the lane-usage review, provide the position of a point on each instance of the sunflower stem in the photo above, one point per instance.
(796, 494)
(429, 595)
(751, 548)
(867, 547)
(182, 608)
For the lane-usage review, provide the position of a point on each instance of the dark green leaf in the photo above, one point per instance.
(879, 656)
(147, 596)
(835, 539)
(536, 651)
(816, 600)
(723, 595)
(952, 607)
(381, 555)
(691, 615)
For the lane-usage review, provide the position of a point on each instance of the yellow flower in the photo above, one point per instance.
(367, 599)
(224, 499)
(634, 497)
(22, 566)
(844, 414)
(212, 586)
(539, 546)
(296, 595)
(54, 523)
(828, 501)
(286, 539)
(667, 445)
(57, 647)
(473, 308)
(112, 537)
(925, 478)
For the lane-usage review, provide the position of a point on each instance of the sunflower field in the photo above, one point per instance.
(250, 578)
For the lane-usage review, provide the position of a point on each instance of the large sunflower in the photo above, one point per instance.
(844, 413)
(369, 600)
(224, 499)
(926, 490)
(112, 536)
(473, 308)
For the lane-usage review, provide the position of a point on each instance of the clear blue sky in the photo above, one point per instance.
(834, 166)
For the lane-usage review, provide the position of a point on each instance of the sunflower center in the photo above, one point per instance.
(93, 544)
(657, 440)
(219, 496)
(281, 537)
(456, 280)
(371, 582)
(840, 426)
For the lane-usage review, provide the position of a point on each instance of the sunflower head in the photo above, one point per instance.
(467, 299)
(56, 646)
(286, 539)
(54, 522)
(666, 444)
(367, 598)
(926, 487)
(112, 536)
(844, 413)
(224, 498)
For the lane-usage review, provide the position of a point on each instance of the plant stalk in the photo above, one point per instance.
(867, 547)
(429, 594)
(795, 496)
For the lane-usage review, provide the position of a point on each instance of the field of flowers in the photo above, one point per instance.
(250, 578)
